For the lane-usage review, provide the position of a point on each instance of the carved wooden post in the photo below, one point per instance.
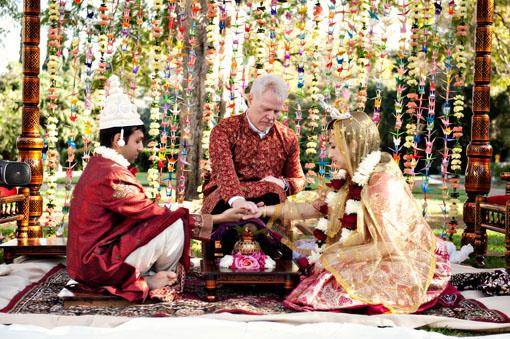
(30, 143)
(479, 151)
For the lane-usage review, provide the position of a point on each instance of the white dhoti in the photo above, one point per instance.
(163, 252)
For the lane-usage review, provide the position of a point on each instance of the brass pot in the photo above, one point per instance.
(247, 246)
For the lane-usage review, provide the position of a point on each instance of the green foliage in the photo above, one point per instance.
(498, 168)
(10, 111)
(501, 47)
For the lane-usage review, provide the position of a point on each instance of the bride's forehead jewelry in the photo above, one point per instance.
(332, 111)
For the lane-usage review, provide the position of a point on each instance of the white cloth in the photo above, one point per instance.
(163, 251)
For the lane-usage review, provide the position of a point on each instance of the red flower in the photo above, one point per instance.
(354, 191)
(336, 184)
(319, 235)
(349, 221)
(133, 170)
(303, 262)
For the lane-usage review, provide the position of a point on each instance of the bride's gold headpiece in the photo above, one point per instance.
(332, 111)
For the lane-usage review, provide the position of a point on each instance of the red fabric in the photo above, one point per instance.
(110, 217)
(498, 199)
(240, 159)
(5, 191)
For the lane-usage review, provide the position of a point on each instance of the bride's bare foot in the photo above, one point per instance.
(160, 279)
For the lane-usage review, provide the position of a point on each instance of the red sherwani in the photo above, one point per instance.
(240, 159)
(110, 217)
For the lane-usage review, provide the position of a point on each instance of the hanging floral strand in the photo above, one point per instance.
(400, 85)
(52, 158)
(73, 116)
(459, 58)
(155, 172)
(88, 121)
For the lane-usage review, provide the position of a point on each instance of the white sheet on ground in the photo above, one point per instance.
(198, 328)
(21, 275)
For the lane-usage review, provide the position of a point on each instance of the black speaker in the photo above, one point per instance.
(14, 173)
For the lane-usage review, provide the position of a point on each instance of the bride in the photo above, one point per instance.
(374, 250)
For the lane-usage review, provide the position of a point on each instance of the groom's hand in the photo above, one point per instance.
(249, 206)
(274, 180)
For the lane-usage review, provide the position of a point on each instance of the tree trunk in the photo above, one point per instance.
(197, 103)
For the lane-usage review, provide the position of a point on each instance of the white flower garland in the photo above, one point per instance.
(340, 174)
(366, 167)
(322, 225)
(110, 153)
(352, 206)
(360, 177)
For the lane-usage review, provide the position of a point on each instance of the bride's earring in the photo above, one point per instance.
(121, 141)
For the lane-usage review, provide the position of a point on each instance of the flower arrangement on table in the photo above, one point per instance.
(247, 254)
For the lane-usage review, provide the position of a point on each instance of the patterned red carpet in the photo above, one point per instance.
(42, 297)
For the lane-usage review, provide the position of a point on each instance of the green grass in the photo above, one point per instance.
(453, 332)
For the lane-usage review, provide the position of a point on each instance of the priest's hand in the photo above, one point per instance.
(249, 206)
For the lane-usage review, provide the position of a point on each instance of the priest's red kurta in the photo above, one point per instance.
(240, 159)
(110, 217)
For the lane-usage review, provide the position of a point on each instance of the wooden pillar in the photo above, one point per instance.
(30, 143)
(479, 151)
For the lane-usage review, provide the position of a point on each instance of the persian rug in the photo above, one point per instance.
(42, 297)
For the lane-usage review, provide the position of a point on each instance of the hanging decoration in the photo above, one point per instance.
(338, 49)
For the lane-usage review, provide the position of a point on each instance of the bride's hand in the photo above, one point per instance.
(262, 212)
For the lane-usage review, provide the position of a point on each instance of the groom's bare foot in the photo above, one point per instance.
(161, 279)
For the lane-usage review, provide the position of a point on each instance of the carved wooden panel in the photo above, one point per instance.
(31, 90)
(469, 212)
(31, 29)
(483, 69)
(480, 128)
(32, 6)
(481, 99)
(483, 39)
(31, 59)
(478, 179)
(36, 206)
(485, 11)
(30, 122)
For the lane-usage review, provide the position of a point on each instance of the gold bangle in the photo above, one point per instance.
(264, 212)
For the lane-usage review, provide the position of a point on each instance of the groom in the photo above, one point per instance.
(119, 240)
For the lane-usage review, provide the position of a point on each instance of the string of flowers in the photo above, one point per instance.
(154, 173)
(273, 42)
(400, 77)
(210, 107)
(51, 136)
(237, 58)
(287, 29)
(136, 51)
(72, 122)
(381, 53)
(428, 31)
(260, 39)
(459, 58)
(88, 121)
(363, 54)
(413, 73)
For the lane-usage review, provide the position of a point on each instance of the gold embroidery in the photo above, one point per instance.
(122, 191)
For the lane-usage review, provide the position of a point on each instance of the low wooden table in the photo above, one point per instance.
(40, 247)
(285, 273)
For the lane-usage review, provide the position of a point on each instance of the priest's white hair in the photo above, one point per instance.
(271, 82)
